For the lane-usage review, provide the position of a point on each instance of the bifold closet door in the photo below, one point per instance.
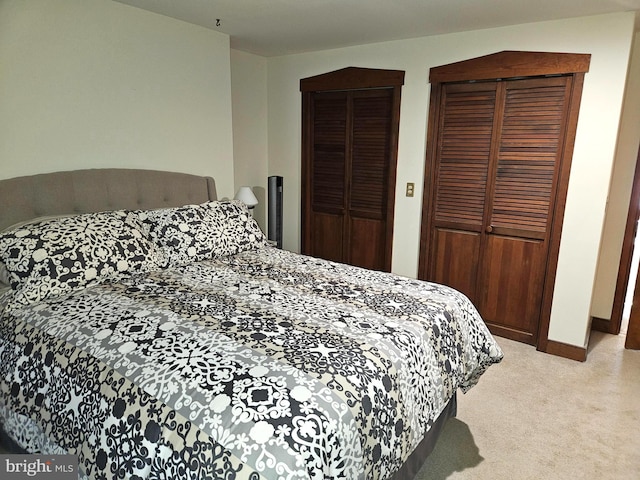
(497, 164)
(349, 180)
(465, 136)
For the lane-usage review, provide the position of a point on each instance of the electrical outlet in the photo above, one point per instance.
(410, 188)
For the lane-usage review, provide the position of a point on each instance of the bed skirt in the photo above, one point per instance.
(409, 470)
(415, 461)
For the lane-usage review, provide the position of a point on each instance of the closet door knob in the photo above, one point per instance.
(489, 229)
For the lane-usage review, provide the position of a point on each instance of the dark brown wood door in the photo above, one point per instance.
(324, 222)
(351, 178)
(633, 332)
(460, 185)
(495, 185)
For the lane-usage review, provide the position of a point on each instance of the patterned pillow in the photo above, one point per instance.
(201, 232)
(58, 256)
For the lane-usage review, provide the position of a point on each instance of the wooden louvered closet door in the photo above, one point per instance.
(325, 221)
(495, 184)
(350, 163)
(349, 175)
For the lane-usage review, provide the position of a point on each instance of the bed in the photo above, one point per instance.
(153, 331)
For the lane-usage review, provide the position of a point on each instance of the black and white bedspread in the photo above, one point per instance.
(264, 364)
(177, 344)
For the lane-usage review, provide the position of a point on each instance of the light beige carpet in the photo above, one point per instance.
(538, 416)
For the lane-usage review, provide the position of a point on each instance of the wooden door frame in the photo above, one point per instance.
(352, 78)
(509, 64)
(624, 269)
(633, 332)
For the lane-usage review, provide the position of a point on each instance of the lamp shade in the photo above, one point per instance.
(246, 196)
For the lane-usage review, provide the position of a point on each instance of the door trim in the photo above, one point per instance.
(542, 343)
(624, 269)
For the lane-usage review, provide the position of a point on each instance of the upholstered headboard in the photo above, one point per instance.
(96, 190)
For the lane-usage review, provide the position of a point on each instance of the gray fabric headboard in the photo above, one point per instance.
(96, 190)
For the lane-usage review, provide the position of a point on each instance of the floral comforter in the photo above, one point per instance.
(261, 365)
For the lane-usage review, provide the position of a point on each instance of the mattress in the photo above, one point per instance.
(260, 363)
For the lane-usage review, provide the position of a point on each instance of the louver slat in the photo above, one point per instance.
(371, 137)
(529, 147)
(465, 147)
(329, 143)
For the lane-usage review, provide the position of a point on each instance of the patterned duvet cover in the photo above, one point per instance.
(260, 365)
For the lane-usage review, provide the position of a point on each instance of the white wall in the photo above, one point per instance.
(249, 94)
(607, 38)
(619, 193)
(95, 83)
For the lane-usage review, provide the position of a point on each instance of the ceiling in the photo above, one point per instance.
(282, 27)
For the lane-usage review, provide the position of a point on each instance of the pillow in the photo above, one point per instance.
(55, 257)
(4, 273)
(201, 232)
